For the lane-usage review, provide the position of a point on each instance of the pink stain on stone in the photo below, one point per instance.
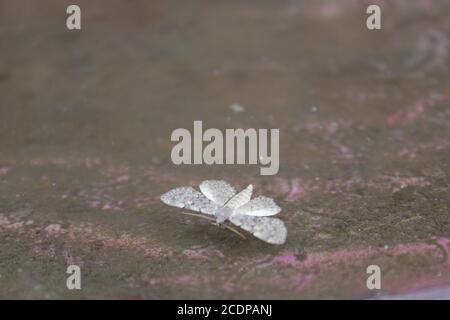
(426, 4)
(322, 127)
(202, 253)
(405, 153)
(413, 112)
(402, 182)
(316, 262)
(4, 170)
(296, 190)
(122, 178)
(154, 281)
(301, 281)
(287, 259)
(6, 223)
(188, 280)
(297, 282)
(65, 162)
(445, 245)
(88, 233)
(229, 287)
(54, 229)
(412, 248)
(290, 259)
(327, 11)
(346, 152)
(280, 187)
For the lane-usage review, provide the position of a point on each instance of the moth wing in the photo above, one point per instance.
(260, 206)
(189, 198)
(241, 198)
(270, 230)
(217, 191)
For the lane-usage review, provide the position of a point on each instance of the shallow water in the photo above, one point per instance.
(85, 124)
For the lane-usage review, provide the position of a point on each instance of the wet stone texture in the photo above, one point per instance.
(85, 124)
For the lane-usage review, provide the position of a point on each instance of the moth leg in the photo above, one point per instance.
(199, 216)
(233, 230)
(215, 223)
(225, 226)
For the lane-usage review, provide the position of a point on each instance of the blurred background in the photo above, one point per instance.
(85, 123)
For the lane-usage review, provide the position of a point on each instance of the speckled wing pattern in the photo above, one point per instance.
(217, 191)
(241, 198)
(260, 206)
(189, 198)
(271, 230)
(249, 215)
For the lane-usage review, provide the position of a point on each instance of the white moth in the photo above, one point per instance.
(219, 199)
